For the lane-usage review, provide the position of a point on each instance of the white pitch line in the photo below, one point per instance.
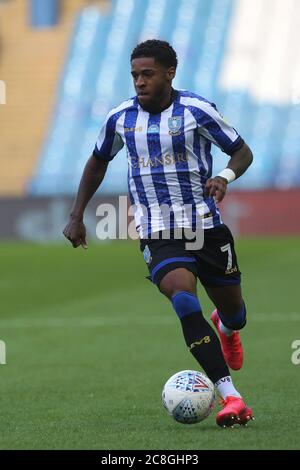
(91, 322)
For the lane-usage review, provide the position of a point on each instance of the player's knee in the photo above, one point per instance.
(185, 303)
(177, 280)
(236, 321)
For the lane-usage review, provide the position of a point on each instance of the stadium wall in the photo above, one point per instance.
(267, 212)
(262, 213)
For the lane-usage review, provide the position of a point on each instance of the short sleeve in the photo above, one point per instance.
(213, 127)
(109, 142)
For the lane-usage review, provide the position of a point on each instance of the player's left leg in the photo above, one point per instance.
(219, 273)
(179, 285)
(229, 317)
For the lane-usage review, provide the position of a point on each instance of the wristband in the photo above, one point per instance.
(228, 174)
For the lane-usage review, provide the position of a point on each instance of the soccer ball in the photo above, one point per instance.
(188, 396)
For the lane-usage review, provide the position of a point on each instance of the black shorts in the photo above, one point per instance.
(215, 264)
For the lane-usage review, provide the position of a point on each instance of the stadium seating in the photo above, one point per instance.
(216, 59)
(30, 62)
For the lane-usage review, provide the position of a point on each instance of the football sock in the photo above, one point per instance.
(224, 330)
(199, 336)
(225, 387)
(228, 324)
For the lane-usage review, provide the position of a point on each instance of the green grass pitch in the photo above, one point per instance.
(90, 343)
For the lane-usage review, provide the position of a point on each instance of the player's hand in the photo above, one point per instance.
(216, 187)
(75, 232)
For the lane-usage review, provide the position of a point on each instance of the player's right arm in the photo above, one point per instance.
(108, 145)
(91, 179)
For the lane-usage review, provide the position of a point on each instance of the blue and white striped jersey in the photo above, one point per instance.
(169, 159)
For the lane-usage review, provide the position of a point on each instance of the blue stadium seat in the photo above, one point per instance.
(212, 46)
(96, 77)
(73, 103)
(288, 174)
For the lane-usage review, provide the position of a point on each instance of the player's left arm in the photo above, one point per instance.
(239, 161)
(218, 131)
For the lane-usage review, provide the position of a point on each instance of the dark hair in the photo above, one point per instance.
(161, 51)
